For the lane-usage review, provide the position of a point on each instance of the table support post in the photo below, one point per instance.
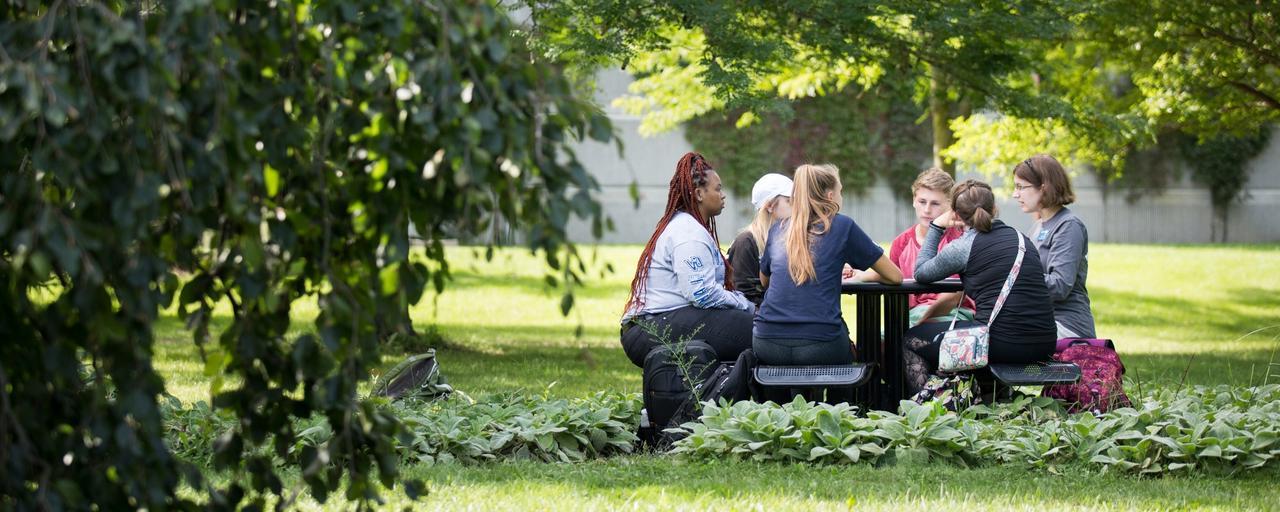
(888, 383)
(896, 319)
(867, 335)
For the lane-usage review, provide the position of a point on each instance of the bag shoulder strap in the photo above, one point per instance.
(1008, 282)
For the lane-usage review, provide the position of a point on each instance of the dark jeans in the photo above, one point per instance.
(921, 350)
(728, 331)
(794, 352)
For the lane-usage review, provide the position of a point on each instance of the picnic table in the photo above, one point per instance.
(882, 305)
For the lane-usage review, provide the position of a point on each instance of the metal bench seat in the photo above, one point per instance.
(813, 376)
(827, 383)
(1036, 374)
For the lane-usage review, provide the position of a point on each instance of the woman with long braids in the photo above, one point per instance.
(800, 322)
(683, 281)
(1023, 330)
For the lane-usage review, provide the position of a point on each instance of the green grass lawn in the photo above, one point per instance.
(1193, 314)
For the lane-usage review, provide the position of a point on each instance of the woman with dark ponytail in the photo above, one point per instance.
(683, 282)
(1023, 331)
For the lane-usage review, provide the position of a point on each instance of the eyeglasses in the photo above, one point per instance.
(1019, 188)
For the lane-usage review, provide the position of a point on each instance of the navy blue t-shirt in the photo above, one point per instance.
(811, 311)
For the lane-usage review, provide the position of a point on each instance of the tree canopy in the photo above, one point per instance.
(1209, 69)
(695, 57)
(231, 159)
(1089, 81)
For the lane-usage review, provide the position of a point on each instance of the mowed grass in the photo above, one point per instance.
(1180, 315)
(1170, 309)
(655, 483)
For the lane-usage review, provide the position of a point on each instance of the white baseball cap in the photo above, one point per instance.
(769, 186)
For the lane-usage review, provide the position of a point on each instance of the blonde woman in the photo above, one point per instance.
(799, 322)
(771, 196)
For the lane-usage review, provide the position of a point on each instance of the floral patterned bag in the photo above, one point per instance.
(956, 392)
(967, 348)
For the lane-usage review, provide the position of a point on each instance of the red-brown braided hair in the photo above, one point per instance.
(691, 173)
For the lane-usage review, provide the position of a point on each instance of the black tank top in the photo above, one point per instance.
(1027, 315)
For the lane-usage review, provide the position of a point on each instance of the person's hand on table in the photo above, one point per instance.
(848, 272)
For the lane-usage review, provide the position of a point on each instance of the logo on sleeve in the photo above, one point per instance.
(694, 263)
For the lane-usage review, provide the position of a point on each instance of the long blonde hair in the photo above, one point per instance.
(759, 227)
(811, 213)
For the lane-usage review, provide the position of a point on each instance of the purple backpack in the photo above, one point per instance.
(1101, 384)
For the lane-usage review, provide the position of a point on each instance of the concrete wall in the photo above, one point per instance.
(1181, 213)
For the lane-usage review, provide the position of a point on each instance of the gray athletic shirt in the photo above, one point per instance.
(687, 270)
(1063, 244)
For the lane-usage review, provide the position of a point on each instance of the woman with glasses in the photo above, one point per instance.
(1043, 190)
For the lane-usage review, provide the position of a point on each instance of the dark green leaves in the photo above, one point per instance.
(243, 158)
(1218, 429)
(566, 303)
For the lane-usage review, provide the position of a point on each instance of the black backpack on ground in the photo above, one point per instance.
(669, 401)
(417, 377)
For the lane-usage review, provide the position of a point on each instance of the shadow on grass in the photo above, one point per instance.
(1259, 298)
(575, 371)
(626, 482)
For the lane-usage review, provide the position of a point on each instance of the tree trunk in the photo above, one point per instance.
(1222, 217)
(940, 115)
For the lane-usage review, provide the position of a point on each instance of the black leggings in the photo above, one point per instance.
(728, 331)
(794, 352)
(920, 356)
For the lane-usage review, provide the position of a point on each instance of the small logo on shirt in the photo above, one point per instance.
(1040, 237)
(694, 263)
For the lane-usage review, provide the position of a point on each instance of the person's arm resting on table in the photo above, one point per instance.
(859, 250)
(865, 276)
(883, 270)
(933, 265)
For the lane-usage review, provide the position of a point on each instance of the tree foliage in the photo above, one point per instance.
(1210, 67)
(1092, 82)
(871, 134)
(230, 159)
(1218, 163)
(1149, 72)
(692, 58)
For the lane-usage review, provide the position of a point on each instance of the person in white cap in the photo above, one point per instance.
(771, 195)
